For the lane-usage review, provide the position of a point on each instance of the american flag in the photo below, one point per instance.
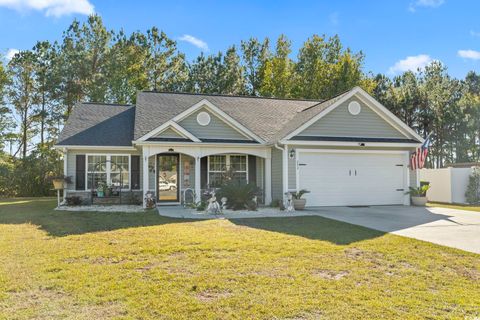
(417, 160)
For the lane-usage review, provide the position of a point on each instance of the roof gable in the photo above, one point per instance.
(216, 128)
(341, 123)
(387, 123)
(262, 117)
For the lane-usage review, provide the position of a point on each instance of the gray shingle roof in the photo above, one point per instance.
(99, 125)
(263, 116)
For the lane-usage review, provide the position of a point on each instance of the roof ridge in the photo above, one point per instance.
(230, 96)
(109, 104)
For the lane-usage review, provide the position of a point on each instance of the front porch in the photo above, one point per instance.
(178, 174)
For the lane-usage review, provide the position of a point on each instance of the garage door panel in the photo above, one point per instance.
(338, 179)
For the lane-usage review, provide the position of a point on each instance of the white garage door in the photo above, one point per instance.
(345, 179)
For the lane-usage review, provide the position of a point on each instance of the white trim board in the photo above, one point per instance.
(388, 116)
(350, 144)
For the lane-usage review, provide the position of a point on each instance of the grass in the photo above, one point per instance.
(454, 206)
(87, 265)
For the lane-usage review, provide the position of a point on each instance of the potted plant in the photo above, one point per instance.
(101, 187)
(299, 202)
(419, 195)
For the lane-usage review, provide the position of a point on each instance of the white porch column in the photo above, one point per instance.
(285, 173)
(65, 170)
(145, 155)
(198, 168)
(268, 180)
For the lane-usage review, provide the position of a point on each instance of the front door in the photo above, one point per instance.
(168, 177)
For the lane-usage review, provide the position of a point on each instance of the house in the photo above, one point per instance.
(348, 150)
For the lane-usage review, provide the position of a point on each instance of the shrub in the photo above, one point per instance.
(239, 195)
(418, 192)
(473, 188)
(73, 201)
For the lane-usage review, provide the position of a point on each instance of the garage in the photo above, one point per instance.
(350, 178)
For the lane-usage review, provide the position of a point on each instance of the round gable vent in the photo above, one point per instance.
(203, 118)
(354, 108)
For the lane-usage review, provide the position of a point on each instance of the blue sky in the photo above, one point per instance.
(394, 35)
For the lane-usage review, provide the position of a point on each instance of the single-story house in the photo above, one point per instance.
(348, 150)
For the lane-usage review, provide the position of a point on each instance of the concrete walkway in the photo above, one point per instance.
(449, 227)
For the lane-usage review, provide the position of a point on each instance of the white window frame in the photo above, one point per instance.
(108, 167)
(227, 164)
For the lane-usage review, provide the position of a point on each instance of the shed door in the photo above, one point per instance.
(346, 179)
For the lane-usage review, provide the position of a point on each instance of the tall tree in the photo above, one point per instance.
(166, 67)
(324, 69)
(278, 71)
(84, 52)
(6, 121)
(254, 56)
(232, 81)
(23, 95)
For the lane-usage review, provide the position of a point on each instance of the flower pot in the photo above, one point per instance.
(58, 184)
(419, 201)
(299, 204)
(100, 194)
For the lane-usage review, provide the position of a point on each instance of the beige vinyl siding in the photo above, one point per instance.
(71, 162)
(168, 133)
(216, 129)
(340, 123)
(277, 189)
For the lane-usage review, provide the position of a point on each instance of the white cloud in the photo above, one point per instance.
(474, 33)
(425, 3)
(10, 53)
(411, 63)
(56, 8)
(469, 54)
(195, 41)
(334, 18)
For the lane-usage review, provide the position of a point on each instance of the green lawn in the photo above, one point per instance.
(79, 265)
(454, 206)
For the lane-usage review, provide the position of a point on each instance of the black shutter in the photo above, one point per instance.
(135, 171)
(252, 169)
(203, 172)
(80, 172)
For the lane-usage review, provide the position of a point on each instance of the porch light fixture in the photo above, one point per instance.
(170, 150)
(291, 154)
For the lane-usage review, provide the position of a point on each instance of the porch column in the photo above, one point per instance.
(268, 180)
(145, 155)
(198, 169)
(65, 171)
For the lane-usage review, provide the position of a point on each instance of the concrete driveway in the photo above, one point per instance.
(449, 227)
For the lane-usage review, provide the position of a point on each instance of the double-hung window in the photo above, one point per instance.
(222, 167)
(112, 170)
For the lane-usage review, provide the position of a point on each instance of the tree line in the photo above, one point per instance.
(40, 87)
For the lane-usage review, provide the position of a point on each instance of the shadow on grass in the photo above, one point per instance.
(40, 212)
(313, 227)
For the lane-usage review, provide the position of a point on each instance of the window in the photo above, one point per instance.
(221, 167)
(96, 170)
(110, 169)
(217, 166)
(119, 171)
(238, 165)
